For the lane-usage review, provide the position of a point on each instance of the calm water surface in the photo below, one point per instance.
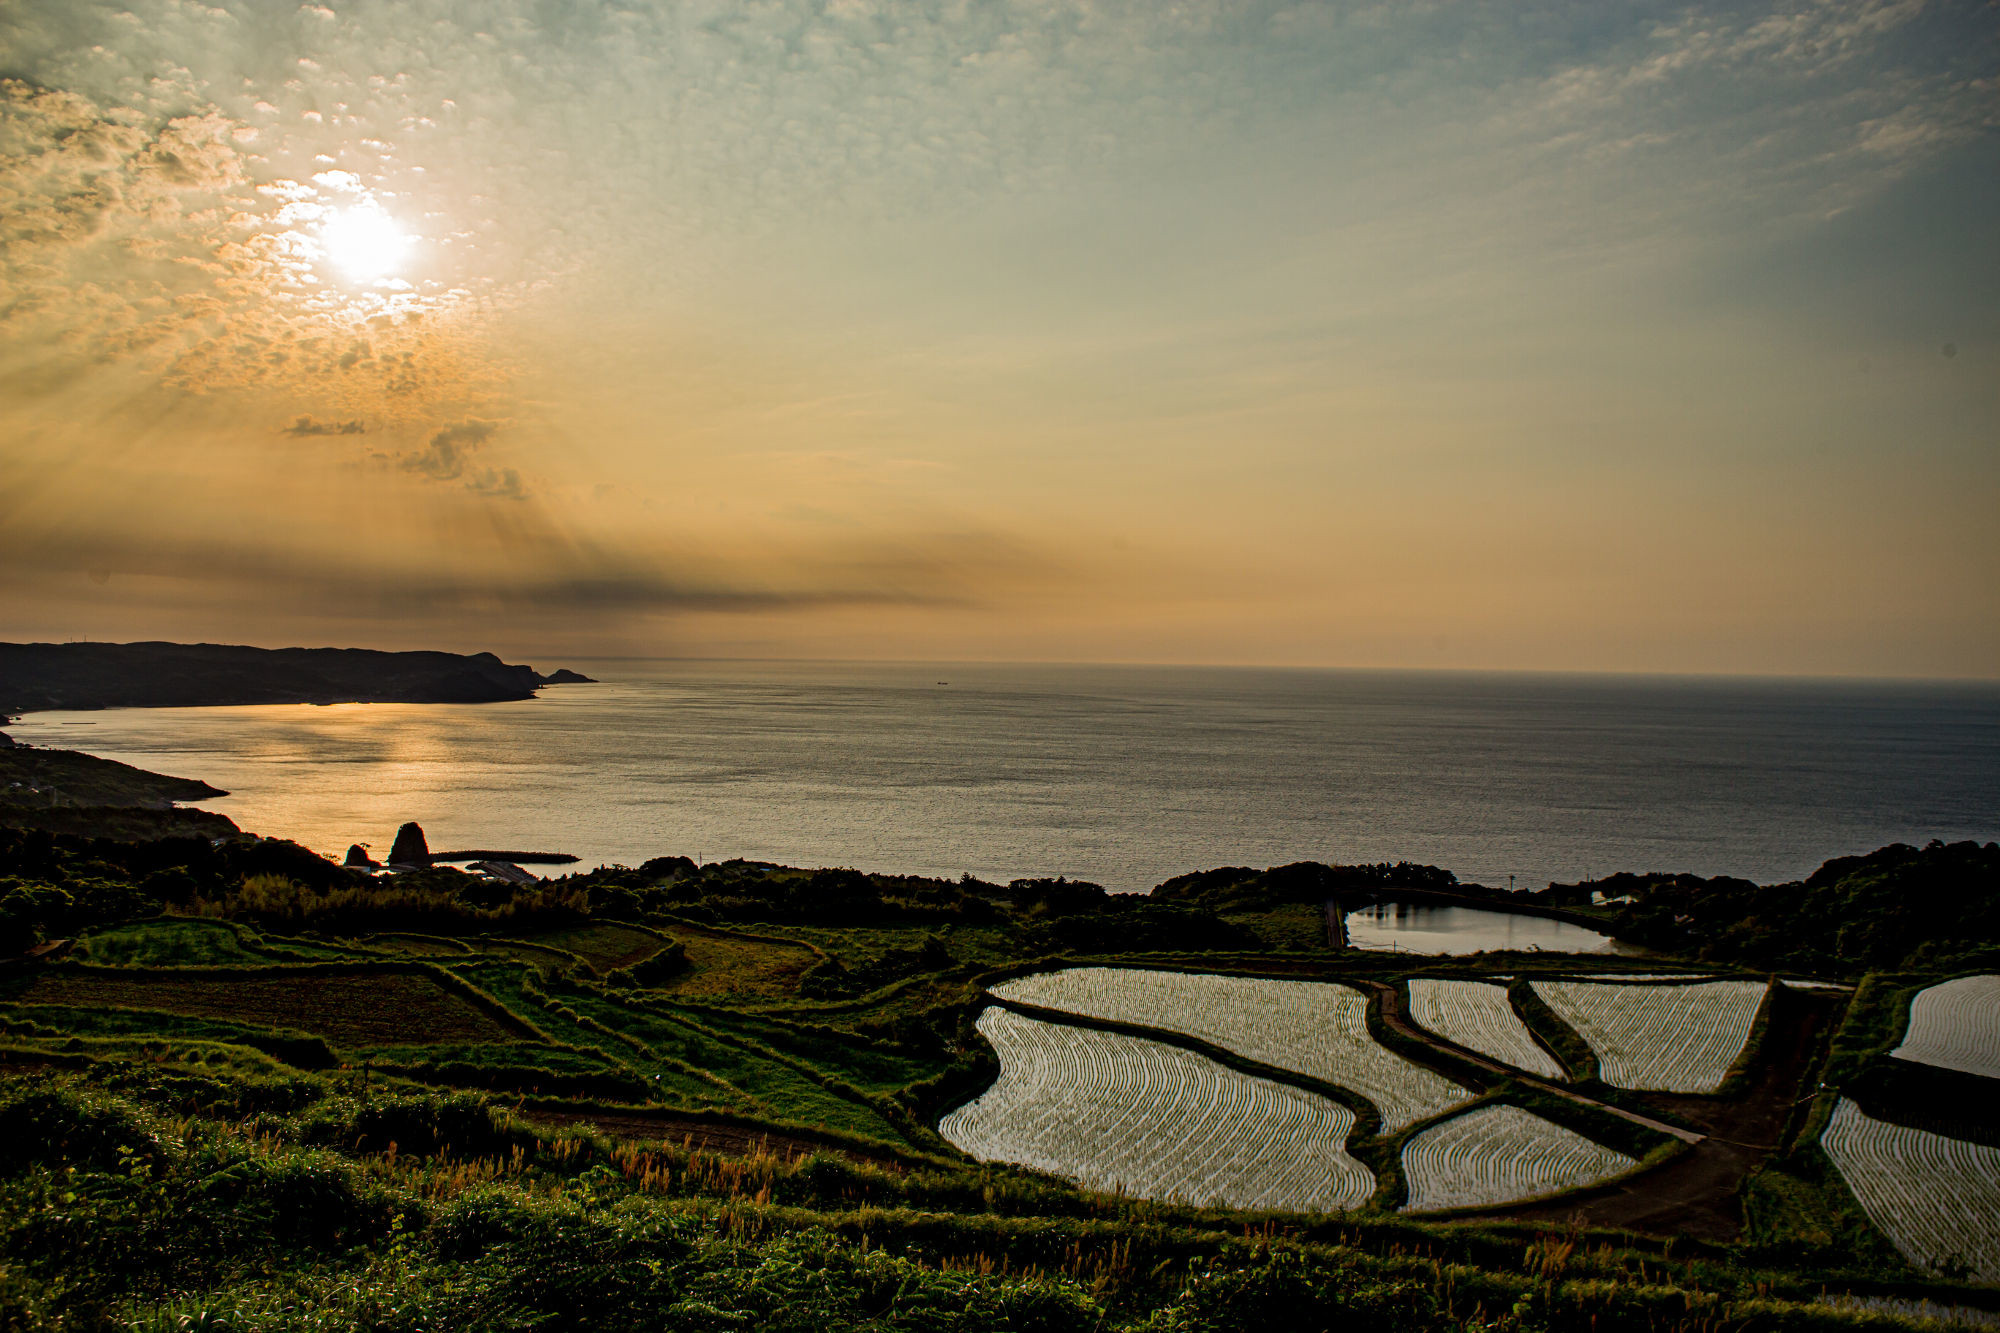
(1120, 775)
(1420, 928)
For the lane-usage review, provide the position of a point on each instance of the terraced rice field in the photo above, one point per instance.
(1498, 1154)
(1308, 1027)
(1956, 1025)
(1664, 1038)
(1936, 1199)
(388, 1009)
(1478, 1017)
(1117, 1113)
(605, 946)
(723, 963)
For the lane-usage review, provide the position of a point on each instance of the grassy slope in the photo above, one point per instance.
(183, 1195)
(733, 1035)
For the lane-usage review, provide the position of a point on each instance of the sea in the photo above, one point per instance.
(1120, 775)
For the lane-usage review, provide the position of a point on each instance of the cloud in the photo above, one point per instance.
(305, 425)
(445, 457)
(544, 575)
(496, 484)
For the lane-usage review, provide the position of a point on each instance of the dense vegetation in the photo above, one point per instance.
(231, 1196)
(1899, 907)
(258, 1090)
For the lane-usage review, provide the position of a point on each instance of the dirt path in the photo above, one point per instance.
(706, 1136)
(1696, 1194)
(1396, 1017)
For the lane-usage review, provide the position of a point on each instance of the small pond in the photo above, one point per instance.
(1425, 928)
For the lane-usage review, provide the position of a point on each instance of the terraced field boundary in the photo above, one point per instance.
(445, 979)
(736, 1132)
(755, 936)
(1436, 1054)
(1936, 1198)
(566, 957)
(1955, 1025)
(533, 994)
(1367, 1119)
(1128, 1116)
(590, 1023)
(1742, 1072)
(459, 948)
(965, 973)
(1652, 1141)
(895, 1115)
(1661, 1149)
(1928, 1097)
(1555, 1034)
(1399, 1018)
(1464, 1011)
(775, 1018)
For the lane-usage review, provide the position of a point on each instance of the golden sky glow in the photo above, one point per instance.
(1341, 334)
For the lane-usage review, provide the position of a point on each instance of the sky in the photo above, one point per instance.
(1546, 335)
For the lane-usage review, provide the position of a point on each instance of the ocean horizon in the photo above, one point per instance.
(1123, 775)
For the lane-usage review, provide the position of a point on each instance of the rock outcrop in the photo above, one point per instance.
(410, 848)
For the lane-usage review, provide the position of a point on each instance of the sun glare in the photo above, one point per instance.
(364, 243)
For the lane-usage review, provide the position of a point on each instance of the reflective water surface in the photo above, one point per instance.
(1423, 928)
(1121, 775)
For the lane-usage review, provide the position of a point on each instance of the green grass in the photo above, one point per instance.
(381, 1009)
(727, 964)
(867, 1065)
(1874, 1024)
(140, 1198)
(1571, 1050)
(606, 946)
(1798, 1212)
(861, 946)
(204, 942)
(1293, 927)
(175, 943)
(53, 1022)
(780, 1088)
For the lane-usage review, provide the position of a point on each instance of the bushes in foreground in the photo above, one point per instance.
(120, 1211)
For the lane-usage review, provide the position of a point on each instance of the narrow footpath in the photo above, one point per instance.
(1398, 1018)
(1698, 1193)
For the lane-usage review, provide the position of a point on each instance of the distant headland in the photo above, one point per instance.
(40, 676)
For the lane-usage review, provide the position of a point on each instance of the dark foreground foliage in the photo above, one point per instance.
(1900, 907)
(147, 1198)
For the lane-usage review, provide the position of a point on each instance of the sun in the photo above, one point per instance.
(364, 242)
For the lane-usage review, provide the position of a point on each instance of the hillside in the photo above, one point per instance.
(35, 676)
(242, 1087)
(1897, 907)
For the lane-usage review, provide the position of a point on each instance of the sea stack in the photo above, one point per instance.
(358, 857)
(410, 848)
